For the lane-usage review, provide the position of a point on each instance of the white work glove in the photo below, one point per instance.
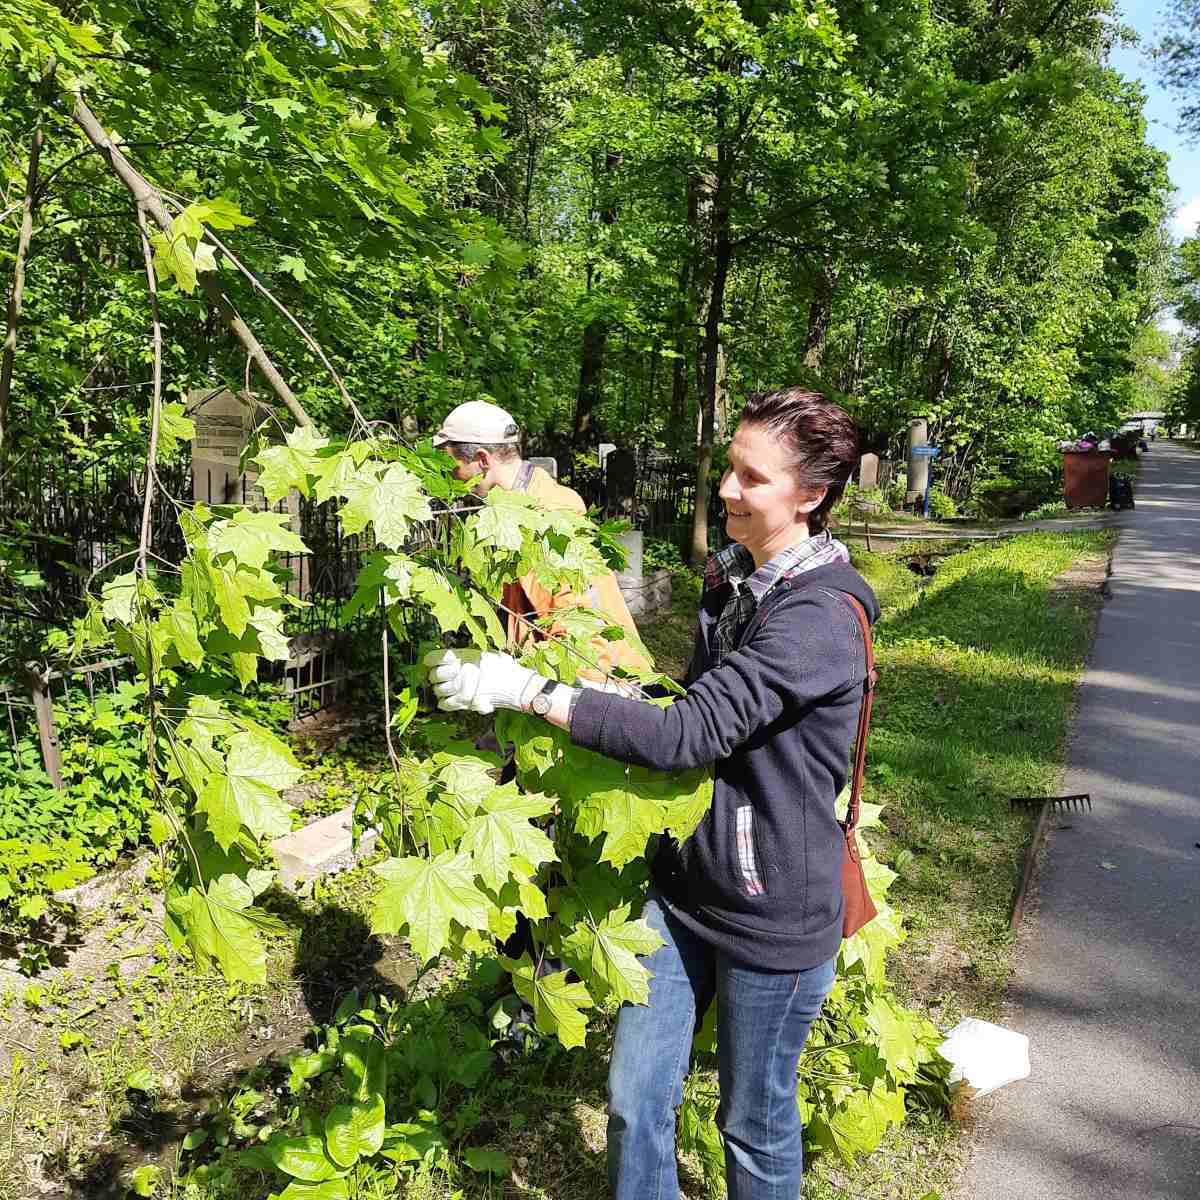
(476, 682)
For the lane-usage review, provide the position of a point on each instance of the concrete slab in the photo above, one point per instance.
(320, 848)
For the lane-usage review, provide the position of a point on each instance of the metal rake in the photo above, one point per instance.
(1077, 803)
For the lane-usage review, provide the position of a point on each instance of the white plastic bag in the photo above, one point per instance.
(986, 1056)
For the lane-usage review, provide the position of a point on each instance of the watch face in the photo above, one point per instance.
(540, 704)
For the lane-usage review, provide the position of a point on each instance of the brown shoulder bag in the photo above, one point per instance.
(860, 908)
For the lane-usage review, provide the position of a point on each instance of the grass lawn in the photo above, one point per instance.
(978, 666)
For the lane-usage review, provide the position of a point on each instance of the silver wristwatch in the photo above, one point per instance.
(540, 704)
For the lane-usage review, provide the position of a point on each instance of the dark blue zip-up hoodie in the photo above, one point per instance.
(776, 720)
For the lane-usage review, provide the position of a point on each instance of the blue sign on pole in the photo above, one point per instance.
(929, 452)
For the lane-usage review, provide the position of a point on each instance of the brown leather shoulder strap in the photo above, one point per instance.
(864, 714)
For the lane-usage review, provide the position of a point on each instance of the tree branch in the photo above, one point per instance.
(23, 238)
(295, 323)
(148, 198)
(156, 331)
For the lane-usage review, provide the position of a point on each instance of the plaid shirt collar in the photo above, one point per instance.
(734, 568)
(735, 564)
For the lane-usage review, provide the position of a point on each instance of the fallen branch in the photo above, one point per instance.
(23, 239)
(148, 199)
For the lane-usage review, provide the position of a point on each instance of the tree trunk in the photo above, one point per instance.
(714, 203)
(595, 335)
(820, 310)
(23, 239)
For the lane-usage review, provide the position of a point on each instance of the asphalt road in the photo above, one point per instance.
(1108, 982)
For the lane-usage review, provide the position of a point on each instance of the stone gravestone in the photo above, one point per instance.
(549, 465)
(603, 450)
(868, 471)
(620, 483)
(223, 423)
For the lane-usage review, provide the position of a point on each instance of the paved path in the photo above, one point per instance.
(1108, 981)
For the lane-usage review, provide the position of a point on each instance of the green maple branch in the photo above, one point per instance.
(148, 197)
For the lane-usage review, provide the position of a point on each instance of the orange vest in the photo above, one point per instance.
(532, 600)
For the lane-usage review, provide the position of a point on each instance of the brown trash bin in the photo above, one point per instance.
(1085, 478)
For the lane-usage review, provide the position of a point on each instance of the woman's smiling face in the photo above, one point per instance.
(766, 509)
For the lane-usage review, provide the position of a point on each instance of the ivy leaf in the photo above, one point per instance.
(607, 954)
(354, 1131)
(426, 895)
(557, 1004)
(250, 537)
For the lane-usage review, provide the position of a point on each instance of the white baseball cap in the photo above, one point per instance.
(478, 421)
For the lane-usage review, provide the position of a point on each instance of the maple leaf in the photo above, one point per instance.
(607, 954)
(231, 598)
(494, 836)
(693, 797)
(268, 623)
(626, 817)
(897, 1038)
(179, 625)
(250, 537)
(468, 778)
(390, 502)
(557, 1004)
(120, 598)
(218, 929)
(426, 895)
(442, 598)
(332, 474)
(289, 466)
(247, 792)
(504, 517)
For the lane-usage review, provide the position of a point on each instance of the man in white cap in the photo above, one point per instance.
(485, 442)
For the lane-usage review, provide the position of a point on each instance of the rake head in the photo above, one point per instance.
(1058, 803)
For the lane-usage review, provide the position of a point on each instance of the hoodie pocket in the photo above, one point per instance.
(747, 852)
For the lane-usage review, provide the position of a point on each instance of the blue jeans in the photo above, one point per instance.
(764, 1020)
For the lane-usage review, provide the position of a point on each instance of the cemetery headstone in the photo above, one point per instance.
(620, 483)
(223, 424)
(548, 464)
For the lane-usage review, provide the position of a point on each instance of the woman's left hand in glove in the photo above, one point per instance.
(469, 680)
